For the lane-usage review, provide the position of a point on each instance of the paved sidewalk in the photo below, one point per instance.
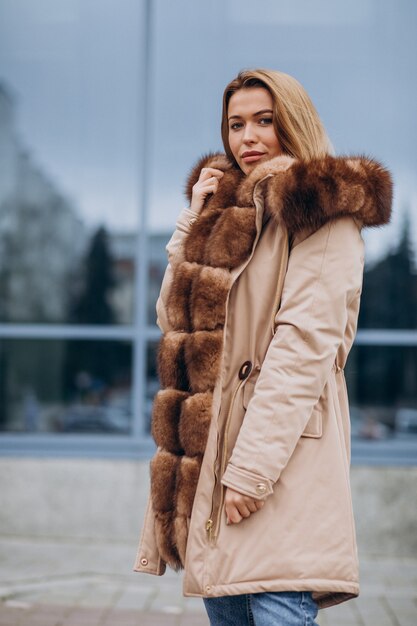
(57, 583)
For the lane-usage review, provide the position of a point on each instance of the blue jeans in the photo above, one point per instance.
(275, 608)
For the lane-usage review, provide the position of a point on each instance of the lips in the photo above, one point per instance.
(252, 155)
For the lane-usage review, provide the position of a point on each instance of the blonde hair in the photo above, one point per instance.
(297, 124)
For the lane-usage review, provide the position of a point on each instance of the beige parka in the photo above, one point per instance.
(279, 426)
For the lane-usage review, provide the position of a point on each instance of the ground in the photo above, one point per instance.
(62, 583)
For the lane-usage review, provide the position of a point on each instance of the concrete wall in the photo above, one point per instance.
(89, 499)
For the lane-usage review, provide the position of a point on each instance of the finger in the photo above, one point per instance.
(210, 181)
(211, 188)
(203, 186)
(209, 172)
(252, 506)
(244, 510)
(259, 504)
(212, 171)
(232, 514)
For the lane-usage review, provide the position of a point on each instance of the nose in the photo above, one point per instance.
(249, 134)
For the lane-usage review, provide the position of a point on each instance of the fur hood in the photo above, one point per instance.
(305, 194)
(299, 195)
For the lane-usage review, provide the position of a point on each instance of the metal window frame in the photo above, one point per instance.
(139, 445)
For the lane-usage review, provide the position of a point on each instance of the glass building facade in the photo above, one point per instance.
(104, 107)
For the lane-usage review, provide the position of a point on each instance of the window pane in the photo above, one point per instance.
(358, 111)
(389, 296)
(65, 386)
(382, 384)
(69, 136)
(156, 268)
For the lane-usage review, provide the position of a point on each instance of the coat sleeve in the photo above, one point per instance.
(323, 279)
(174, 251)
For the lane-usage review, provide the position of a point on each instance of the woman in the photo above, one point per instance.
(258, 308)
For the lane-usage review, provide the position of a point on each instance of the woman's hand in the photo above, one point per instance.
(208, 182)
(237, 506)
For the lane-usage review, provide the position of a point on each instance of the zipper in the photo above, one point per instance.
(209, 528)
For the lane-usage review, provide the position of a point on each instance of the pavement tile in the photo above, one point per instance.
(194, 619)
(194, 605)
(321, 619)
(47, 611)
(374, 612)
(11, 616)
(340, 615)
(47, 583)
(133, 599)
(156, 619)
(86, 612)
(94, 620)
(35, 620)
(404, 609)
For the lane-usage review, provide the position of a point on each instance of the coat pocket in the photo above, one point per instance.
(314, 426)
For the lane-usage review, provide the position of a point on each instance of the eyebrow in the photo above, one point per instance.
(254, 115)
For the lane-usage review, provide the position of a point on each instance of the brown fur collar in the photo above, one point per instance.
(298, 194)
(306, 194)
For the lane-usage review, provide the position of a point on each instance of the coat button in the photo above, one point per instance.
(260, 488)
(144, 561)
(208, 588)
(245, 370)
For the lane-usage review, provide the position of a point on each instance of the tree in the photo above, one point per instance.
(92, 367)
(387, 375)
(93, 304)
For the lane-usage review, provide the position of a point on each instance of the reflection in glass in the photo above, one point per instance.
(92, 288)
(69, 132)
(389, 297)
(156, 269)
(52, 268)
(65, 386)
(382, 384)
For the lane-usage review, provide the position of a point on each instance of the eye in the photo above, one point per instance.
(265, 121)
(235, 125)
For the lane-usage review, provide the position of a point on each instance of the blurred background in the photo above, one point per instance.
(104, 107)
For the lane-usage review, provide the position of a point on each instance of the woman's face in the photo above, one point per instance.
(252, 137)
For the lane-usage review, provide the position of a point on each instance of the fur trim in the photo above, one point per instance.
(305, 194)
(206, 311)
(172, 370)
(311, 193)
(180, 528)
(166, 413)
(188, 474)
(165, 539)
(163, 476)
(195, 423)
(202, 355)
(299, 195)
(269, 168)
